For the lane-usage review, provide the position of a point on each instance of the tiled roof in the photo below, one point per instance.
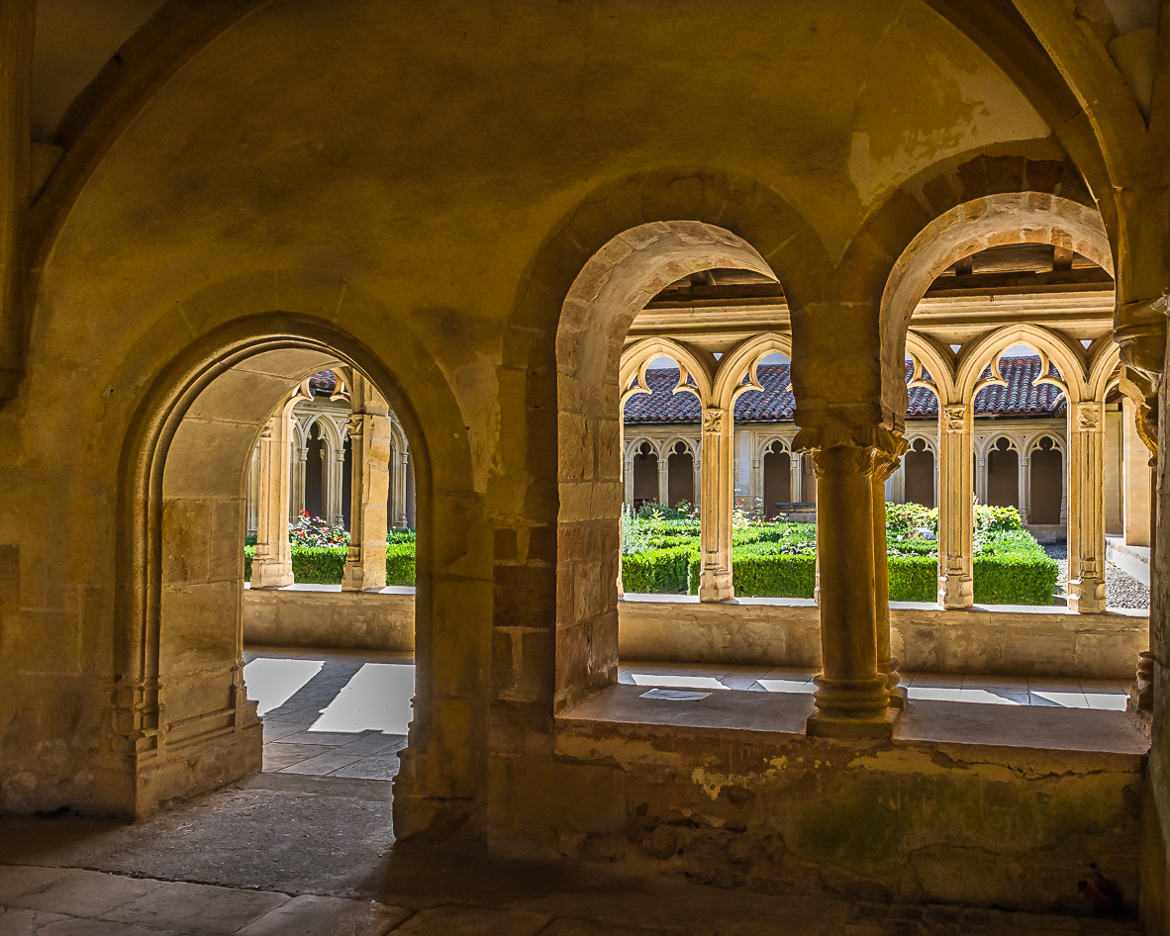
(322, 382)
(776, 403)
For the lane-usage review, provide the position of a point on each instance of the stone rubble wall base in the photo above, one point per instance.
(911, 822)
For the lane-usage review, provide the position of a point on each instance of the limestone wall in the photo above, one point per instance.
(926, 638)
(325, 616)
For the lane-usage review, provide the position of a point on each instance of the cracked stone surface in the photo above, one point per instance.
(299, 856)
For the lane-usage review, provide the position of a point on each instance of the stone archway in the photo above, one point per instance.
(182, 721)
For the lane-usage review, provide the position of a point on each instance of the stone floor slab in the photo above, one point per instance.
(20, 921)
(86, 893)
(310, 915)
(198, 908)
(17, 879)
(472, 921)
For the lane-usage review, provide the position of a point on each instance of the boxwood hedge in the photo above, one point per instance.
(776, 560)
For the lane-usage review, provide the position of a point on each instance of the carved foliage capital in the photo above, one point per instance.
(713, 420)
(1087, 416)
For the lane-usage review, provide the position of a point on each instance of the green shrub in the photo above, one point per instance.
(1012, 568)
(249, 552)
(905, 520)
(913, 578)
(990, 519)
(320, 565)
(400, 563)
(768, 574)
(657, 571)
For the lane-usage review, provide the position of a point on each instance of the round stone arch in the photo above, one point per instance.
(613, 286)
(181, 720)
(991, 221)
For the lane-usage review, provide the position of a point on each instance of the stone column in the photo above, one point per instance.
(898, 494)
(365, 564)
(333, 471)
(664, 479)
(698, 485)
(981, 479)
(272, 562)
(884, 464)
(956, 516)
(1086, 526)
(851, 698)
(253, 506)
(628, 481)
(715, 509)
(1023, 485)
(400, 468)
(756, 487)
(300, 456)
(794, 493)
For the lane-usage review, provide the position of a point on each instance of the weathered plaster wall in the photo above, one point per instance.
(785, 632)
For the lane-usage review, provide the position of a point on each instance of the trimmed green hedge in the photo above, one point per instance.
(913, 578)
(657, 571)
(322, 565)
(400, 563)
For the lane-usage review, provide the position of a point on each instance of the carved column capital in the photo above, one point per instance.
(954, 417)
(713, 420)
(1086, 416)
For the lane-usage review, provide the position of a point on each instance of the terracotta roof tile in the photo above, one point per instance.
(776, 403)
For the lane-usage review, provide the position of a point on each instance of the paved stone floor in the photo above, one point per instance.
(332, 714)
(307, 847)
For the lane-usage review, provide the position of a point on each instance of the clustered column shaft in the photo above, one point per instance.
(852, 697)
(884, 465)
(1086, 526)
(956, 510)
(716, 506)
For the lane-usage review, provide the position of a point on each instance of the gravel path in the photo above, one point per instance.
(1121, 590)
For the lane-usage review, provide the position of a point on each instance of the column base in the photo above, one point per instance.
(354, 579)
(271, 574)
(1086, 596)
(955, 593)
(1141, 691)
(716, 588)
(852, 708)
(897, 693)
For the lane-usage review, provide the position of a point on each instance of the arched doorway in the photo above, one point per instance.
(184, 721)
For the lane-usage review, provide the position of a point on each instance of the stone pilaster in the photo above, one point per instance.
(715, 510)
(365, 564)
(664, 478)
(852, 699)
(956, 516)
(272, 562)
(1086, 519)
